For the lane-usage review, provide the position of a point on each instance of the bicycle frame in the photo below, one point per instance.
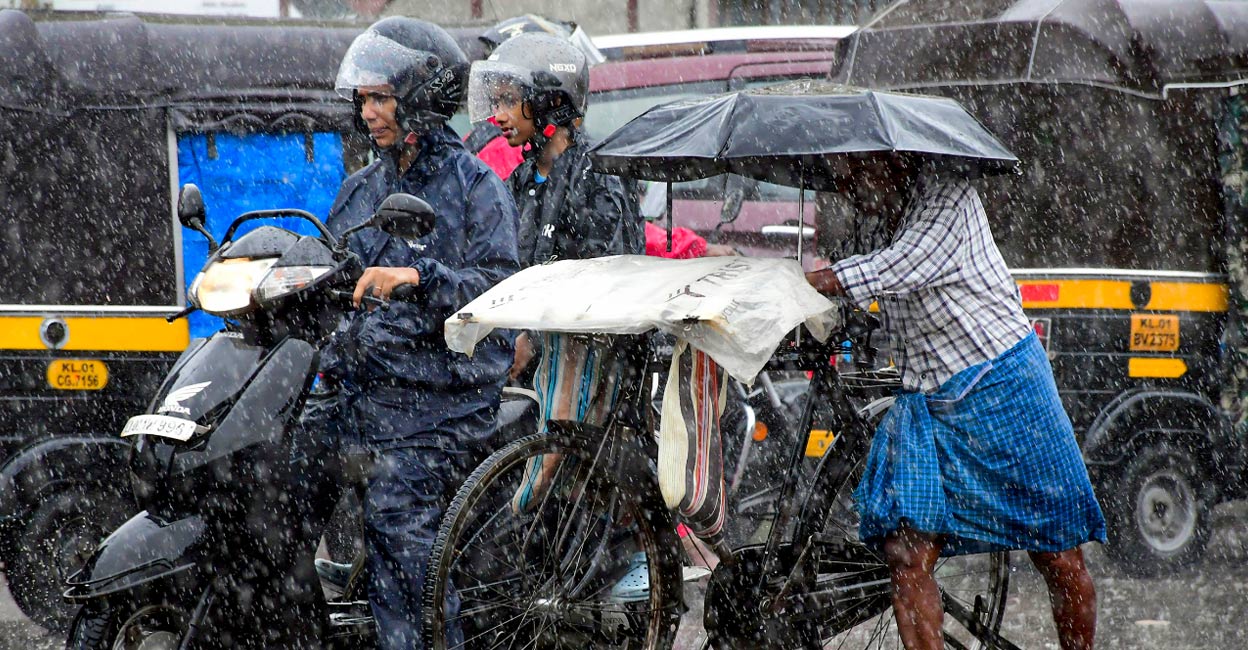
(829, 405)
(827, 394)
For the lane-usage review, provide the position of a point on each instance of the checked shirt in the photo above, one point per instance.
(947, 298)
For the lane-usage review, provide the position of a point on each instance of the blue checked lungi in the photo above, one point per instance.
(989, 461)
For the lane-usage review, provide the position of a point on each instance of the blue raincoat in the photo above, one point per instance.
(391, 382)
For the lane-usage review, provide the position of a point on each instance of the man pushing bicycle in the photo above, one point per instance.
(977, 454)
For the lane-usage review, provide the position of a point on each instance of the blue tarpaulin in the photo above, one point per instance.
(255, 172)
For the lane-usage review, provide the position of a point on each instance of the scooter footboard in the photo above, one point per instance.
(144, 551)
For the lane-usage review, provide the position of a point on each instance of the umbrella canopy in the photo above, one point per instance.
(1141, 46)
(799, 134)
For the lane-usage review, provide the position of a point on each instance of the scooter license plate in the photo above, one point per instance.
(159, 425)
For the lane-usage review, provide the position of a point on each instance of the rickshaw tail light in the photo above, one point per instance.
(760, 432)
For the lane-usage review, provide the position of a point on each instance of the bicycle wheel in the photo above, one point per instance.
(542, 575)
(973, 587)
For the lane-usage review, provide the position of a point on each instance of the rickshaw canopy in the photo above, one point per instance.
(1143, 46)
(209, 75)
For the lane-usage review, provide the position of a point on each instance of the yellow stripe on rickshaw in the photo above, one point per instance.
(99, 334)
(1116, 294)
(1154, 367)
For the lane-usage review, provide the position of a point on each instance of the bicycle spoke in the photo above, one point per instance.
(477, 611)
(521, 615)
(542, 577)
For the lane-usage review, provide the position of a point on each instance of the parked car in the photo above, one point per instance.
(647, 69)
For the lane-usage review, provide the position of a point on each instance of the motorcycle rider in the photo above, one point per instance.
(390, 383)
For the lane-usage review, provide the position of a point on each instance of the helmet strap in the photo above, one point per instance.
(547, 125)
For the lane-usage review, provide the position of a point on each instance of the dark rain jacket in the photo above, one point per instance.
(398, 358)
(577, 213)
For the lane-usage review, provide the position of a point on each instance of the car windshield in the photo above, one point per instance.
(1133, 185)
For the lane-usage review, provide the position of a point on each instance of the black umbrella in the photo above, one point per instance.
(1140, 46)
(800, 134)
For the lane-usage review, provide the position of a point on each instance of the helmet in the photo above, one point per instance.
(418, 60)
(541, 69)
(532, 24)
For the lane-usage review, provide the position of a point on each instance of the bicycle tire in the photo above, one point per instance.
(974, 588)
(570, 587)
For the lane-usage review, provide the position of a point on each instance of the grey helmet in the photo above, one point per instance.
(533, 24)
(420, 62)
(548, 73)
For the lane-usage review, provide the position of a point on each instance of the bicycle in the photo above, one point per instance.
(502, 577)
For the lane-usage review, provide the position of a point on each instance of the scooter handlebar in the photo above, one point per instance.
(401, 293)
(404, 292)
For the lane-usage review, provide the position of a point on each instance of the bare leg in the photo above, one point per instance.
(1072, 595)
(916, 597)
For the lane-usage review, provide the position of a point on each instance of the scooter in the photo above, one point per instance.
(234, 502)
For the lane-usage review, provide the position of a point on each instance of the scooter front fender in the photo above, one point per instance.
(144, 551)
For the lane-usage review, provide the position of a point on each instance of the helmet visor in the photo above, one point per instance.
(593, 56)
(374, 61)
(493, 84)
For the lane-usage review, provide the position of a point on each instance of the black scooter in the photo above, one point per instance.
(234, 503)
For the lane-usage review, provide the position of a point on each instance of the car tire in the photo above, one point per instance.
(57, 539)
(1159, 512)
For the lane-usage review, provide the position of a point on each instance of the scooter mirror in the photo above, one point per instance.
(404, 216)
(192, 215)
(191, 207)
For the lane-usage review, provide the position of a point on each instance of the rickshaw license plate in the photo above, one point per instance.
(1154, 332)
(159, 425)
(77, 374)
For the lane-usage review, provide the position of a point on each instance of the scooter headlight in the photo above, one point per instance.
(285, 280)
(225, 287)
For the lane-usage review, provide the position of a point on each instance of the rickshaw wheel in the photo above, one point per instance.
(1159, 512)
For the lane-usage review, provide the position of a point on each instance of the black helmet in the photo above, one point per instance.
(532, 24)
(542, 69)
(419, 61)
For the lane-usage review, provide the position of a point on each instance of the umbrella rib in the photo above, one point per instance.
(725, 141)
(884, 123)
(1035, 39)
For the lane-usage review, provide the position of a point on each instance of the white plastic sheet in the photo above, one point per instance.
(736, 309)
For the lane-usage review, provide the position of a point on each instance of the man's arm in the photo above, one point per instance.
(825, 281)
(491, 254)
(927, 253)
(490, 257)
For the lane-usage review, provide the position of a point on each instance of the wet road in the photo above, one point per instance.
(1202, 609)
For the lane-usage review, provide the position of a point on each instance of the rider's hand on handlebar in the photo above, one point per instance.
(383, 280)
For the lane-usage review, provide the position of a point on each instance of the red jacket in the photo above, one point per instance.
(686, 244)
(501, 157)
